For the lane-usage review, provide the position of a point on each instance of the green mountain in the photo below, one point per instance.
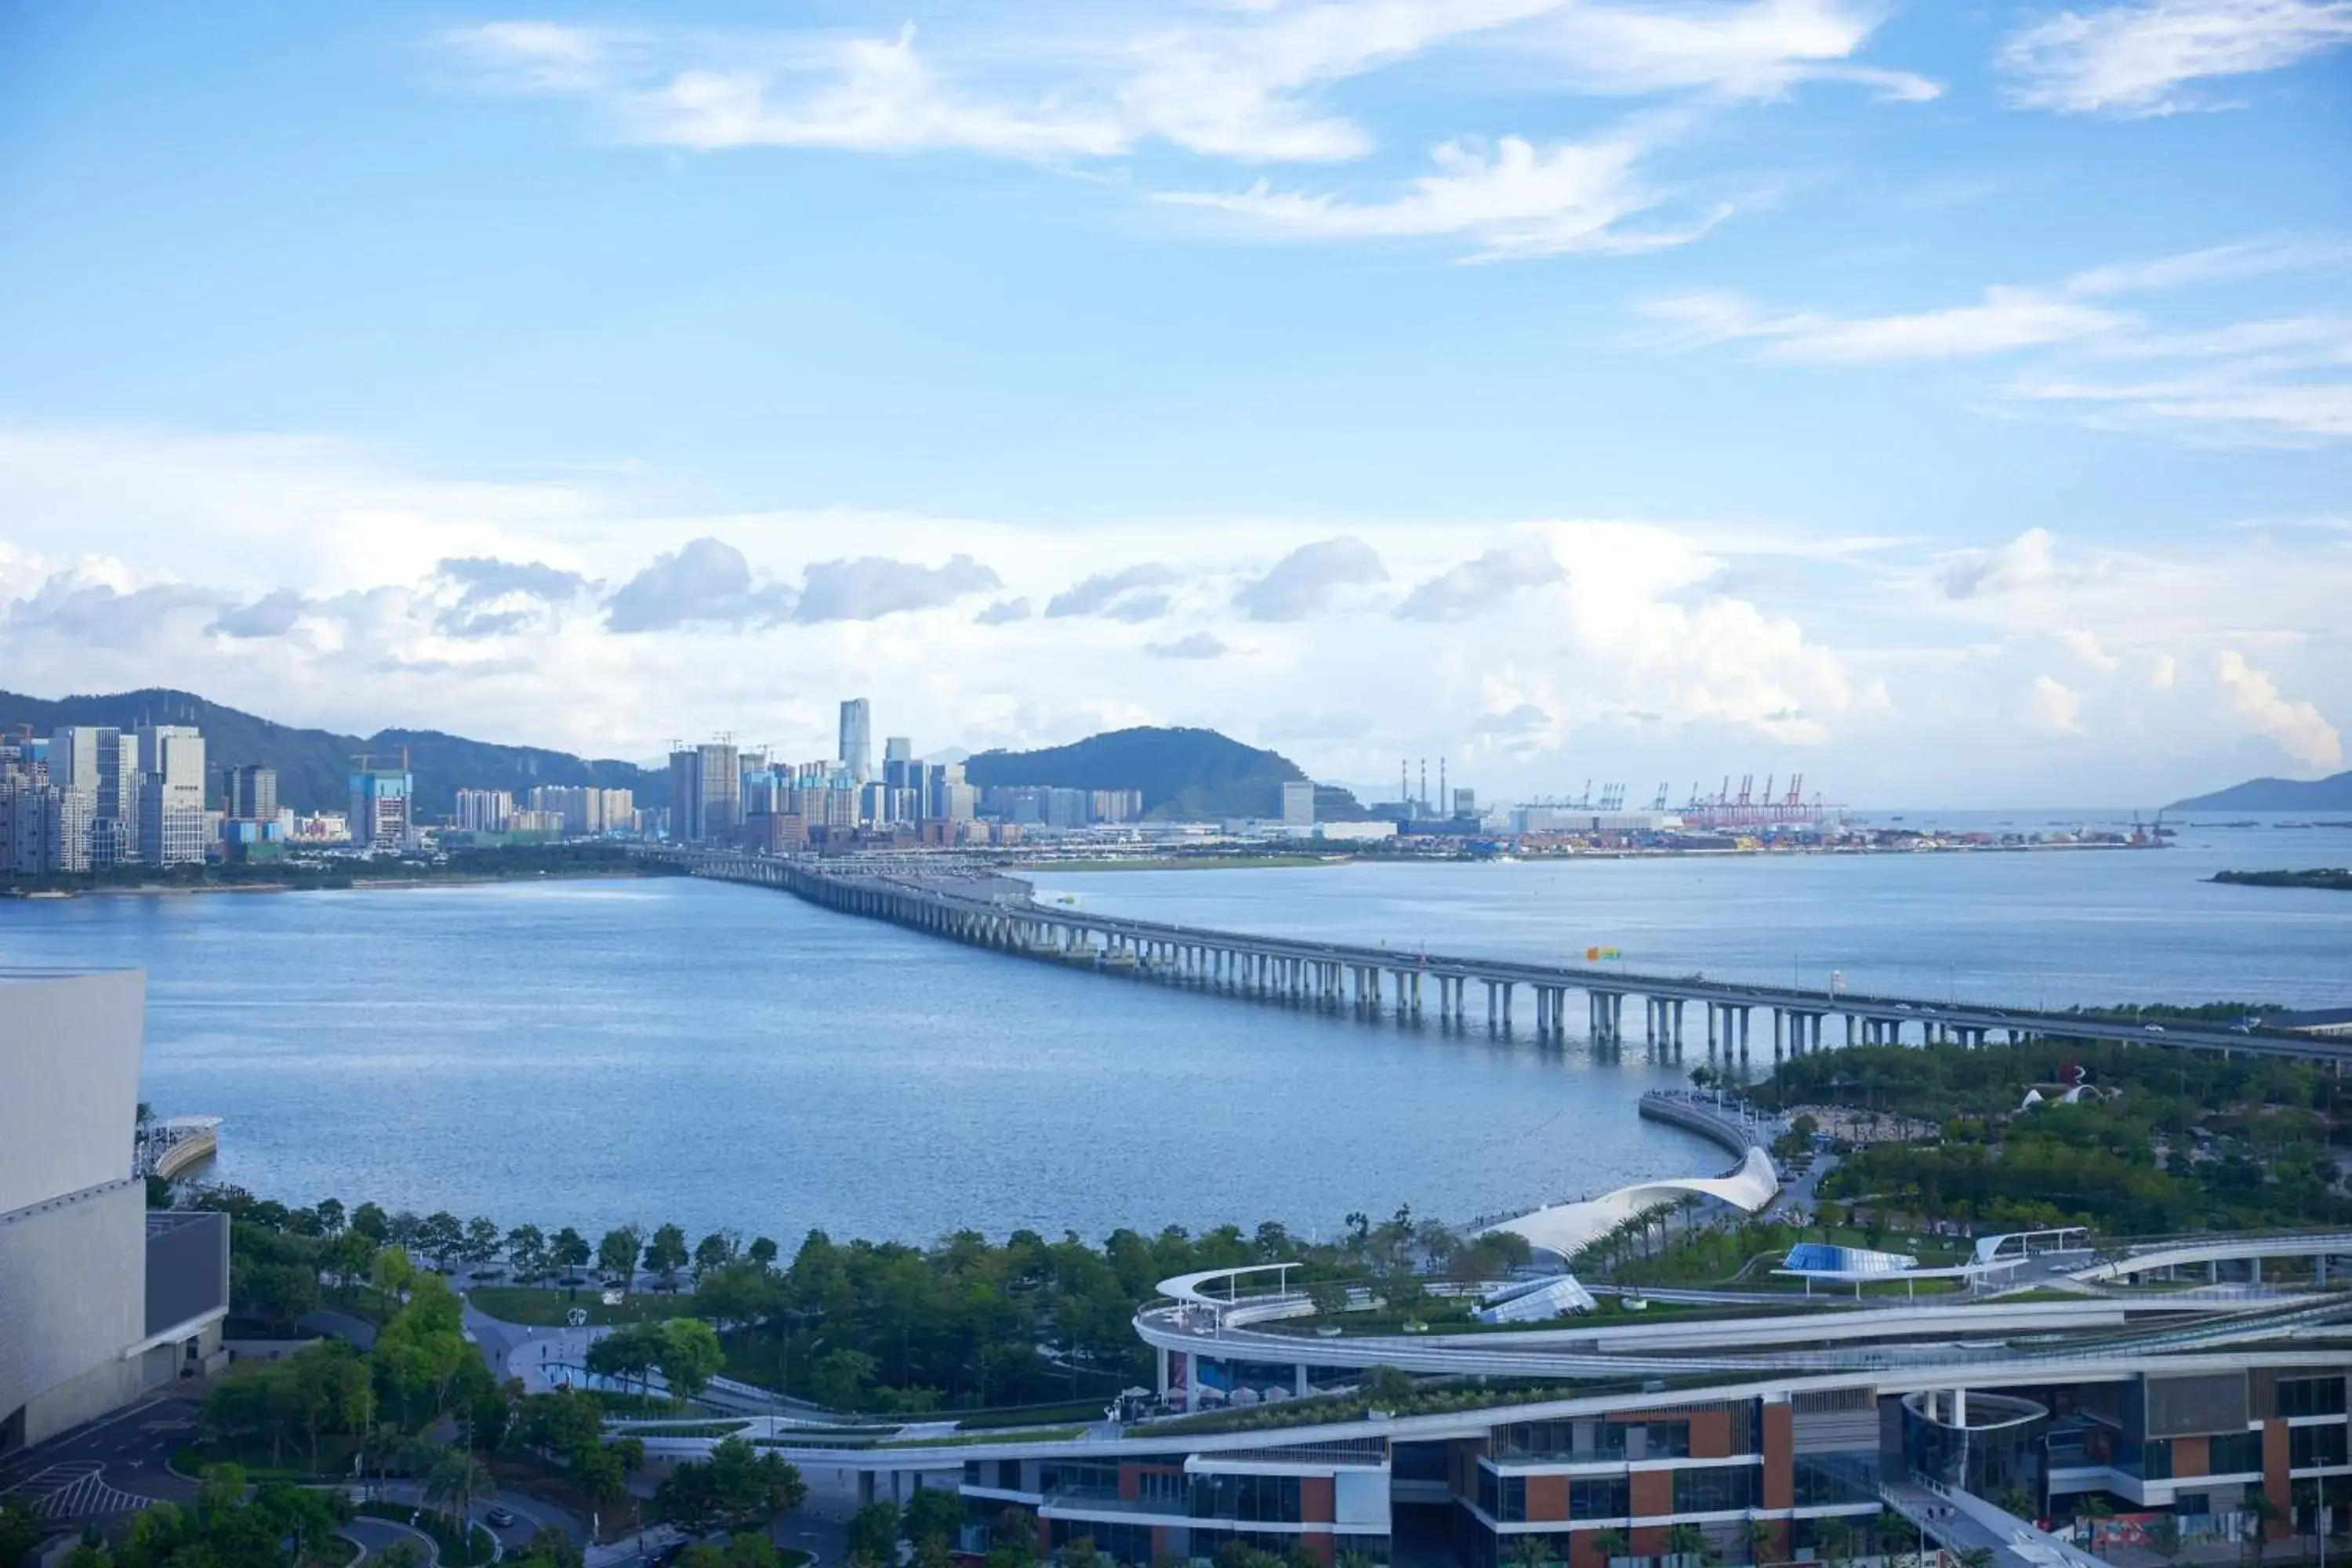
(1185, 774)
(2331, 793)
(314, 765)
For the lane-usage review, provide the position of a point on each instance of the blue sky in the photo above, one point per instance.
(1948, 402)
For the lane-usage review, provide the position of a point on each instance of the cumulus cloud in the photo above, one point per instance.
(2052, 708)
(1301, 583)
(2028, 561)
(2163, 670)
(871, 587)
(1463, 590)
(707, 580)
(2133, 60)
(72, 605)
(496, 597)
(1004, 612)
(1130, 594)
(2300, 730)
(2084, 645)
(271, 615)
(1194, 645)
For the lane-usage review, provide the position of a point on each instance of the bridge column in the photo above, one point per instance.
(1508, 987)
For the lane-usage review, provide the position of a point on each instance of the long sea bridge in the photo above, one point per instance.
(974, 906)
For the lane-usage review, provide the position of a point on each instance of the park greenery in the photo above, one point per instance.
(964, 1324)
(274, 1525)
(2160, 1142)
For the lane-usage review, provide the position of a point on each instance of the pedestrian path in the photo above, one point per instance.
(73, 1489)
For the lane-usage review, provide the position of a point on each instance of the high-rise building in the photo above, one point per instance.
(1299, 803)
(170, 795)
(897, 749)
(484, 810)
(1465, 803)
(856, 751)
(706, 793)
(252, 792)
(382, 807)
(103, 763)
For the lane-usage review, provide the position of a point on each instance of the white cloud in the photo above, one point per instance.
(1757, 50)
(1301, 584)
(1674, 648)
(2003, 321)
(1129, 594)
(2054, 709)
(2301, 731)
(1242, 81)
(2134, 59)
(2255, 381)
(1510, 199)
(1471, 587)
(2084, 645)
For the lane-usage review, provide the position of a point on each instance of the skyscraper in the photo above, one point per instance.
(252, 792)
(706, 793)
(170, 795)
(382, 806)
(856, 751)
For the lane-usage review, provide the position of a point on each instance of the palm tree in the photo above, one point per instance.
(1531, 1551)
(1833, 1540)
(2093, 1509)
(2267, 1514)
(1689, 1543)
(1763, 1536)
(1610, 1543)
(454, 1480)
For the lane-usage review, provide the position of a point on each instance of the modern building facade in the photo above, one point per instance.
(170, 795)
(382, 802)
(98, 1299)
(251, 793)
(706, 793)
(858, 739)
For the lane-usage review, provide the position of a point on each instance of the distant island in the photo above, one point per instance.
(2330, 793)
(314, 766)
(2336, 879)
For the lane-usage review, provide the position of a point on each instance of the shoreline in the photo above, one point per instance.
(356, 884)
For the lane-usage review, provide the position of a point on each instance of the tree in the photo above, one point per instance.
(629, 1352)
(454, 1480)
(553, 1545)
(2091, 1508)
(1014, 1540)
(570, 1250)
(751, 1550)
(19, 1532)
(2266, 1517)
(441, 1237)
(482, 1243)
(1610, 1543)
(617, 1255)
(1688, 1542)
(1385, 1387)
(1833, 1540)
(737, 1486)
(690, 1355)
(1532, 1550)
(331, 1217)
(666, 1254)
(713, 1251)
(370, 1221)
(933, 1513)
(762, 1251)
(391, 1272)
(526, 1247)
(874, 1533)
(1763, 1537)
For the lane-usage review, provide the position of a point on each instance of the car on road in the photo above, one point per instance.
(2151, 1029)
(500, 1518)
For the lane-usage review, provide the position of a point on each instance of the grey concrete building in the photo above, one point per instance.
(100, 1300)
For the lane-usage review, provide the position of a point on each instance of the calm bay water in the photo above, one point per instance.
(591, 1053)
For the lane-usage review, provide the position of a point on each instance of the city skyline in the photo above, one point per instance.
(1946, 407)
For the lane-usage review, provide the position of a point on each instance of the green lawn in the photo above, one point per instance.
(551, 1307)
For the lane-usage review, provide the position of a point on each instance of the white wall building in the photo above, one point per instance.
(1298, 804)
(170, 795)
(97, 1301)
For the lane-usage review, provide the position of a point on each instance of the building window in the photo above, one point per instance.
(2150, 1461)
(2234, 1454)
(1824, 1480)
(2311, 1396)
(1599, 1496)
(1269, 1499)
(1716, 1488)
(1162, 1487)
(2309, 1445)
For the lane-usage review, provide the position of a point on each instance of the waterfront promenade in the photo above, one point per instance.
(997, 912)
